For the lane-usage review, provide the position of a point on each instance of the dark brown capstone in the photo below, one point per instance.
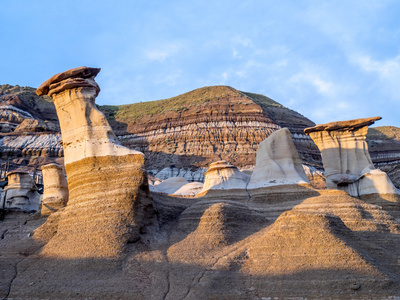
(77, 74)
(342, 125)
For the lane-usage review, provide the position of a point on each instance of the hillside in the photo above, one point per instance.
(207, 124)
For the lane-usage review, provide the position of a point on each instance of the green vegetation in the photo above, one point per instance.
(383, 133)
(262, 100)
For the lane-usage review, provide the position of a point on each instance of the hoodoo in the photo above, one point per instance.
(348, 165)
(108, 190)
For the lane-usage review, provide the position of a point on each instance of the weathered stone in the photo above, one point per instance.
(277, 162)
(221, 175)
(348, 165)
(73, 78)
(21, 193)
(55, 195)
(108, 190)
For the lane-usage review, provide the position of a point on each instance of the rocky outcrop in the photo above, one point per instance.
(55, 195)
(277, 163)
(20, 103)
(108, 190)
(347, 163)
(28, 128)
(221, 175)
(21, 193)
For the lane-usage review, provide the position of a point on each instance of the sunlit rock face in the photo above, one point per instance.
(348, 165)
(277, 162)
(55, 195)
(221, 175)
(21, 193)
(108, 189)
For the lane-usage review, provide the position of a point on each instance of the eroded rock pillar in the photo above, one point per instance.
(348, 165)
(21, 193)
(55, 195)
(108, 190)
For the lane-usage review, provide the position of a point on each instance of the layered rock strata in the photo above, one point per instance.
(206, 125)
(21, 193)
(346, 159)
(108, 189)
(55, 195)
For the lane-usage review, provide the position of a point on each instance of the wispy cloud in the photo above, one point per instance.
(162, 52)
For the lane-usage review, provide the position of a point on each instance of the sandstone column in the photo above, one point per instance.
(108, 190)
(55, 195)
(346, 159)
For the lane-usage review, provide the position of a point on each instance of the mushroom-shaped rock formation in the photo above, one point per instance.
(55, 195)
(108, 189)
(348, 165)
(170, 185)
(21, 193)
(277, 162)
(221, 175)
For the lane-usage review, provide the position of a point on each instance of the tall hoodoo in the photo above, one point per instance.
(108, 193)
(348, 165)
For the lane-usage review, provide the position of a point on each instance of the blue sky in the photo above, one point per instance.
(328, 60)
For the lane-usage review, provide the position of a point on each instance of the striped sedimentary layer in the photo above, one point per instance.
(27, 145)
(206, 125)
(108, 205)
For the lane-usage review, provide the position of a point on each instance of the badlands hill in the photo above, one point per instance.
(206, 125)
(180, 136)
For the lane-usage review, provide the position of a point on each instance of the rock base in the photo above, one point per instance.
(107, 207)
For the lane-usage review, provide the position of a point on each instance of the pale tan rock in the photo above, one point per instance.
(221, 175)
(85, 130)
(109, 201)
(277, 162)
(348, 165)
(55, 195)
(21, 193)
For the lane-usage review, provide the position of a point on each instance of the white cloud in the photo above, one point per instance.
(162, 52)
(321, 85)
(388, 69)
